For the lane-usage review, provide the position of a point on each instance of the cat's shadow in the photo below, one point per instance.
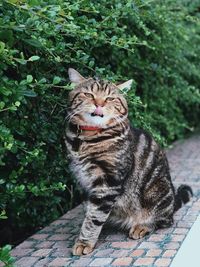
(113, 233)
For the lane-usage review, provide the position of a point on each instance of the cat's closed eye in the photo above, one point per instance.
(110, 98)
(89, 95)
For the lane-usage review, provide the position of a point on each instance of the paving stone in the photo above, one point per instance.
(19, 252)
(81, 262)
(162, 262)
(59, 237)
(192, 212)
(48, 229)
(178, 217)
(137, 253)
(101, 244)
(104, 252)
(190, 218)
(176, 238)
(128, 245)
(149, 245)
(45, 244)
(153, 252)
(144, 262)
(63, 230)
(63, 244)
(59, 262)
(116, 237)
(101, 261)
(172, 245)
(40, 236)
(180, 231)
(157, 237)
(27, 244)
(122, 261)
(165, 230)
(60, 222)
(26, 261)
(43, 252)
(62, 252)
(119, 253)
(185, 224)
(75, 230)
(42, 263)
(169, 253)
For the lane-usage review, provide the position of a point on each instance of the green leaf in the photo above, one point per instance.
(2, 46)
(2, 105)
(2, 181)
(33, 42)
(56, 80)
(5, 256)
(29, 78)
(3, 213)
(21, 61)
(5, 91)
(34, 58)
(29, 93)
(43, 80)
(17, 103)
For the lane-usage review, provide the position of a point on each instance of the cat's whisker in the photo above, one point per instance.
(120, 121)
(78, 110)
(73, 115)
(69, 115)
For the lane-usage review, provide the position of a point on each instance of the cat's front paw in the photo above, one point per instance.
(81, 248)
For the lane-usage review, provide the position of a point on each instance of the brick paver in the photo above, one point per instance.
(52, 245)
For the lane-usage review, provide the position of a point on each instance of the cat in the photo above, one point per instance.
(123, 171)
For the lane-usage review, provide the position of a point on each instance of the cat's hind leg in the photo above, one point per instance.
(138, 231)
(147, 222)
(141, 224)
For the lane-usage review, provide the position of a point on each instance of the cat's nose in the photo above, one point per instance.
(98, 111)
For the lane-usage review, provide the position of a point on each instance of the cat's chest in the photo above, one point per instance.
(82, 166)
(82, 174)
(93, 161)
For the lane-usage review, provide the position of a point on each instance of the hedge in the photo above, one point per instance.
(156, 43)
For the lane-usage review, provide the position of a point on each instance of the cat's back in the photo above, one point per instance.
(140, 137)
(143, 146)
(148, 159)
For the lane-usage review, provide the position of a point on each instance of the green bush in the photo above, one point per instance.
(154, 42)
(5, 256)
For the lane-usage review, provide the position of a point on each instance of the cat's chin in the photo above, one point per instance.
(96, 120)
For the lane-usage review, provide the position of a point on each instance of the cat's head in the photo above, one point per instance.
(95, 102)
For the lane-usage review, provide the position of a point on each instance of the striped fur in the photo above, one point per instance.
(123, 171)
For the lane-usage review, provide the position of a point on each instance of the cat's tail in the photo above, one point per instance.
(182, 196)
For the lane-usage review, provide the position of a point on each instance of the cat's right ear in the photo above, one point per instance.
(75, 77)
(125, 85)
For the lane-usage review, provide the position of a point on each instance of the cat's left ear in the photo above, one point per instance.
(75, 76)
(126, 85)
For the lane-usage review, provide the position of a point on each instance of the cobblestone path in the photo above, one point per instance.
(52, 245)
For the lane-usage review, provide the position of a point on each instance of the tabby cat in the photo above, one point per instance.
(123, 171)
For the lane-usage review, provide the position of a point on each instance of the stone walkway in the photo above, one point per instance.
(52, 245)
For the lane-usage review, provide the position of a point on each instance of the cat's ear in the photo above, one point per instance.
(125, 85)
(75, 76)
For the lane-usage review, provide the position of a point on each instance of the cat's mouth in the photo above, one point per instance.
(93, 114)
(94, 119)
